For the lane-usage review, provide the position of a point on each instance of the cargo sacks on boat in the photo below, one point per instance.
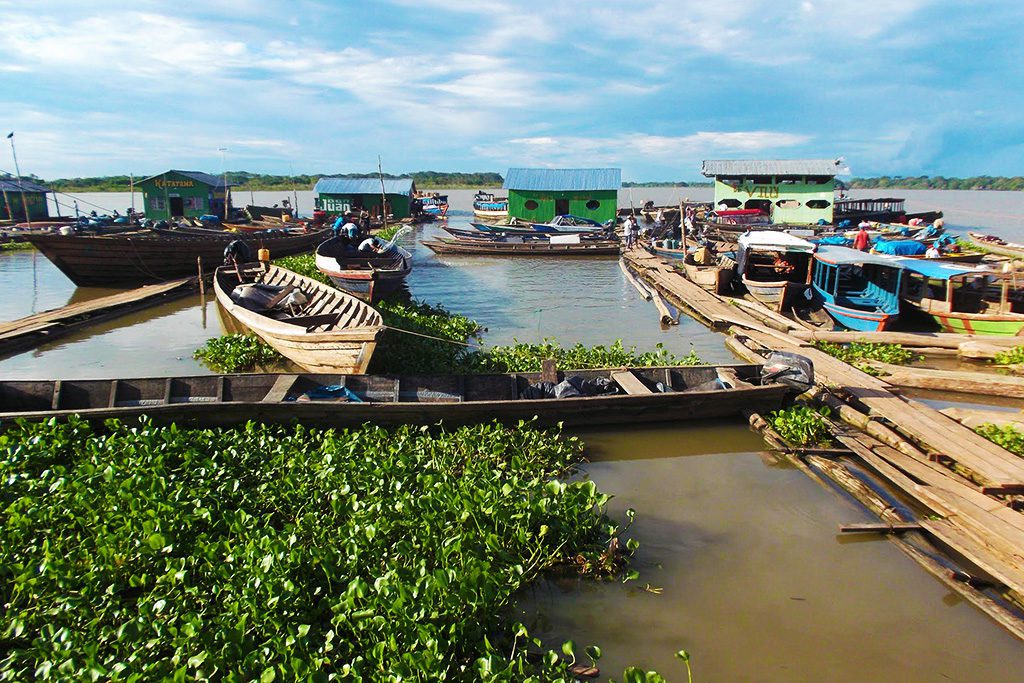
(572, 386)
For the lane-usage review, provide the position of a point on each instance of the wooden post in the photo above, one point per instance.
(549, 371)
(202, 285)
(383, 196)
(682, 229)
(7, 205)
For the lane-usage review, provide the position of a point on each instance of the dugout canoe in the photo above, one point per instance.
(442, 245)
(320, 399)
(146, 256)
(317, 327)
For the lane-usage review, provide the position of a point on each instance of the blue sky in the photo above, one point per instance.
(901, 87)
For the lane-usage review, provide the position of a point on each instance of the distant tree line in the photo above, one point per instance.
(983, 182)
(243, 180)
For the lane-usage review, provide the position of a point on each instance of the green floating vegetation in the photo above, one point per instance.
(16, 246)
(237, 353)
(1006, 436)
(523, 357)
(1014, 356)
(856, 353)
(412, 354)
(802, 426)
(268, 553)
(967, 245)
(305, 265)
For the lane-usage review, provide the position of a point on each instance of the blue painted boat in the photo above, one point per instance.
(861, 291)
(486, 205)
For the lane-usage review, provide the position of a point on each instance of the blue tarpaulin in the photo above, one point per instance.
(899, 247)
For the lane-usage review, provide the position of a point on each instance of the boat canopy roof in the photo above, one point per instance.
(844, 255)
(939, 270)
(775, 241)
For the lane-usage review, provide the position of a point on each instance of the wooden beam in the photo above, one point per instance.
(878, 527)
(278, 392)
(630, 383)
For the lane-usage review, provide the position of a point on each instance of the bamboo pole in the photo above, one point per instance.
(383, 195)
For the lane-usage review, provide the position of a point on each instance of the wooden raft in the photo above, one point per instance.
(36, 329)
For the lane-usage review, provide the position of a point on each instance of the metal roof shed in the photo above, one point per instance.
(341, 195)
(540, 194)
(184, 193)
(13, 192)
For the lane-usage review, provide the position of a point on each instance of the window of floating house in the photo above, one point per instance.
(731, 203)
(819, 179)
(818, 204)
(788, 204)
(157, 203)
(789, 181)
(194, 203)
(531, 205)
(593, 205)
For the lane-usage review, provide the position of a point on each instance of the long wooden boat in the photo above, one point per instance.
(861, 291)
(148, 256)
(714, 276)
(345, 400)
(442, 245)
(964, 300)
(996, 245)
(367, 276)
(774, 266)
(316, 326)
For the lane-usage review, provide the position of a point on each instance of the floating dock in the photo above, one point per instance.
(33, 330)
(964, 490)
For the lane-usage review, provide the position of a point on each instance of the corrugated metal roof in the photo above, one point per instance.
(845, 255)
(11, 185)
(198, 176)
(773, 239)
(794, 167)
(563, 179)
(363, 186)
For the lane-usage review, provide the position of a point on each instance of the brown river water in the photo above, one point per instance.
(741, 562)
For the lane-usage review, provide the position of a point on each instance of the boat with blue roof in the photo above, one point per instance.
(859, 290)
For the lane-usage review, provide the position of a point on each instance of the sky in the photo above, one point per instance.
(894, 87)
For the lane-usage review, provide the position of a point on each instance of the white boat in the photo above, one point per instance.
(774, 266)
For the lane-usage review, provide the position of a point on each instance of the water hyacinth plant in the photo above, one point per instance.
(802, 426)
(266, 553)
(856, 353)
(1014, 356)
(1007, 436)
(237, 353)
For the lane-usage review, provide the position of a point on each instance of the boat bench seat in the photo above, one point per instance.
(311, 322)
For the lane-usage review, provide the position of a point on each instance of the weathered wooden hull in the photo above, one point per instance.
(346, 348)
(1002, 248)
(362, 277)
(776, 295)
(145, 257)
(228, 400)
(713, 278)
(539, 248)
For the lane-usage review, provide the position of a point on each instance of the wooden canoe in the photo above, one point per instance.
(367, 276)
(996, 245)
(443, 245)
(148, 256)
(316, 326)
(227, 400)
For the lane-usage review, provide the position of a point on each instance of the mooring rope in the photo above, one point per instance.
(427, 336)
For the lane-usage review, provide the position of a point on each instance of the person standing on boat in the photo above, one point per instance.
(862, 240)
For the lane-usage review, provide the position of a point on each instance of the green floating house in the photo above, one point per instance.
(341, 195)
(788, 190)
(11, 206)
(184, 193)
(540, 194)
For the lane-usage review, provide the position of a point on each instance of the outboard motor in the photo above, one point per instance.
(787, 368)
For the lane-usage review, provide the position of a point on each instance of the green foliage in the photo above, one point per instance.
(855, 353)
(16, 246)
(801, 425)
(523, 357)
(399, 353)
(1006, 436)
(236, 353)
(1012, 356)
(940, 183)
(967, 245)
(303, 264)
(270, 553)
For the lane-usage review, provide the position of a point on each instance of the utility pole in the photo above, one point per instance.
(17, 171)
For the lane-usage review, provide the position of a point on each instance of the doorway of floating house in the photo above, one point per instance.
(177, 206)
(762, 205)
(561, 207)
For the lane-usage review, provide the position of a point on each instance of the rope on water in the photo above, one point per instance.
(427, 336)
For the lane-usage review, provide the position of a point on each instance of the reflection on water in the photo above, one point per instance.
(753, 580)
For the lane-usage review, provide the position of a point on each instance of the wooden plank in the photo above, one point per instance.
(57, 388)
(112, 402)
(976, 551)
(630, 383)
(986, 384)
(278, 392)
(878, 527)
(168, 385)
(973, 417)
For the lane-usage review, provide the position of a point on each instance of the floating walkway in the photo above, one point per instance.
(968, 487)
(33, 330)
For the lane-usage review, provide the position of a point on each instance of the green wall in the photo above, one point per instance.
(545, 210)
(401, 205)
(788, 196)
(37, 209)
(197, 198)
